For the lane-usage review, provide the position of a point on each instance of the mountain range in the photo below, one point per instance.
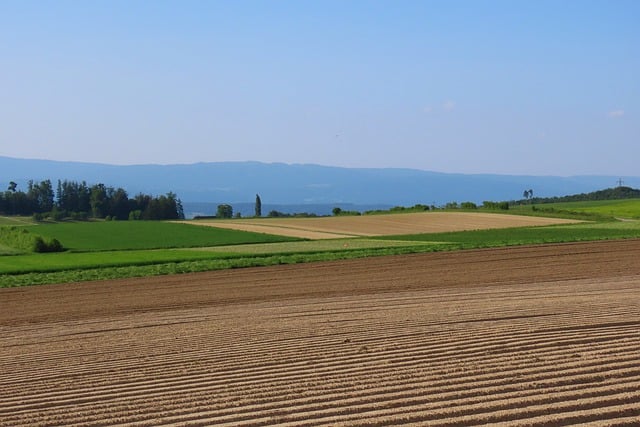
(301, 187)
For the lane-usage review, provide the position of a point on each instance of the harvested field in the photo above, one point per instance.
(381, 225)
(541, 335)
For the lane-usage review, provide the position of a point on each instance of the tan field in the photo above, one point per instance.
(541, 335)
(380, 225)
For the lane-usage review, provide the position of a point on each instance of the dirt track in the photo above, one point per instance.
(532, 335)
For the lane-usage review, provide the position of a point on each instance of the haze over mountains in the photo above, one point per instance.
(300, 187)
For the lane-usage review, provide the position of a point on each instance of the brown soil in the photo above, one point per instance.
(541, 335)
(381, 225)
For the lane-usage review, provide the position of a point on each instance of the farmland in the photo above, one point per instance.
(617, 208)
(130, 235)
(377, 225)
(529, 335)
(624, 208)
(120, 249)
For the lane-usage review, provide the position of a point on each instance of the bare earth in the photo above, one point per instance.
(380, 225)
(542, 335)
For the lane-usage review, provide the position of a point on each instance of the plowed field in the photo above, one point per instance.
(544, 335)
(380, 225)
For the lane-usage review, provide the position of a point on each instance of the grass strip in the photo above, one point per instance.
(49, 263)
(68, 276)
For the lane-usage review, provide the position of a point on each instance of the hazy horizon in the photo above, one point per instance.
(494, 87)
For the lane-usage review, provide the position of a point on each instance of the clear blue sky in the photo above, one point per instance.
(511, 87)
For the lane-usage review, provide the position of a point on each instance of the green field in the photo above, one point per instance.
(529, 235)
(625, 208)
(615, 208)
(132, 235)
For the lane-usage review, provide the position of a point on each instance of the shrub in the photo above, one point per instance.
(40, 245)
(22, 239)
(56, 214)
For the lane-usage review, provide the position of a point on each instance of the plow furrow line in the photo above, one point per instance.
(483, 413)
(501, 410)
(502, 375)
(506, 345)
(416, 357)
(430, 366)
(376, 321)
(432, 399)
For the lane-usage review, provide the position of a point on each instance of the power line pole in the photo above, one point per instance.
(620, 182)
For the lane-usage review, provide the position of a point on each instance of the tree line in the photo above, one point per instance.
(78, 200)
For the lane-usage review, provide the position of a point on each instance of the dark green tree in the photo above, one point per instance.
(224, 211)
(42, 195)
(258, 206)
(99, 201)
(163, 207)
(119, 204)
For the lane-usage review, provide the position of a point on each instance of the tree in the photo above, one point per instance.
(42, 196)
(224, 211)
(163, 207)
(119, 204)
(98, 200)
(77, 201)
(258, 210)
(336, 211)
(179, 209)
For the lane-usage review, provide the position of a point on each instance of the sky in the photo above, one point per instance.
(507, 87)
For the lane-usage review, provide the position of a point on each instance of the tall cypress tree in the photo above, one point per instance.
(258, 206)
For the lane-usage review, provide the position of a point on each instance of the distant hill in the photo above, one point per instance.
(313, 186)
(616, 193)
